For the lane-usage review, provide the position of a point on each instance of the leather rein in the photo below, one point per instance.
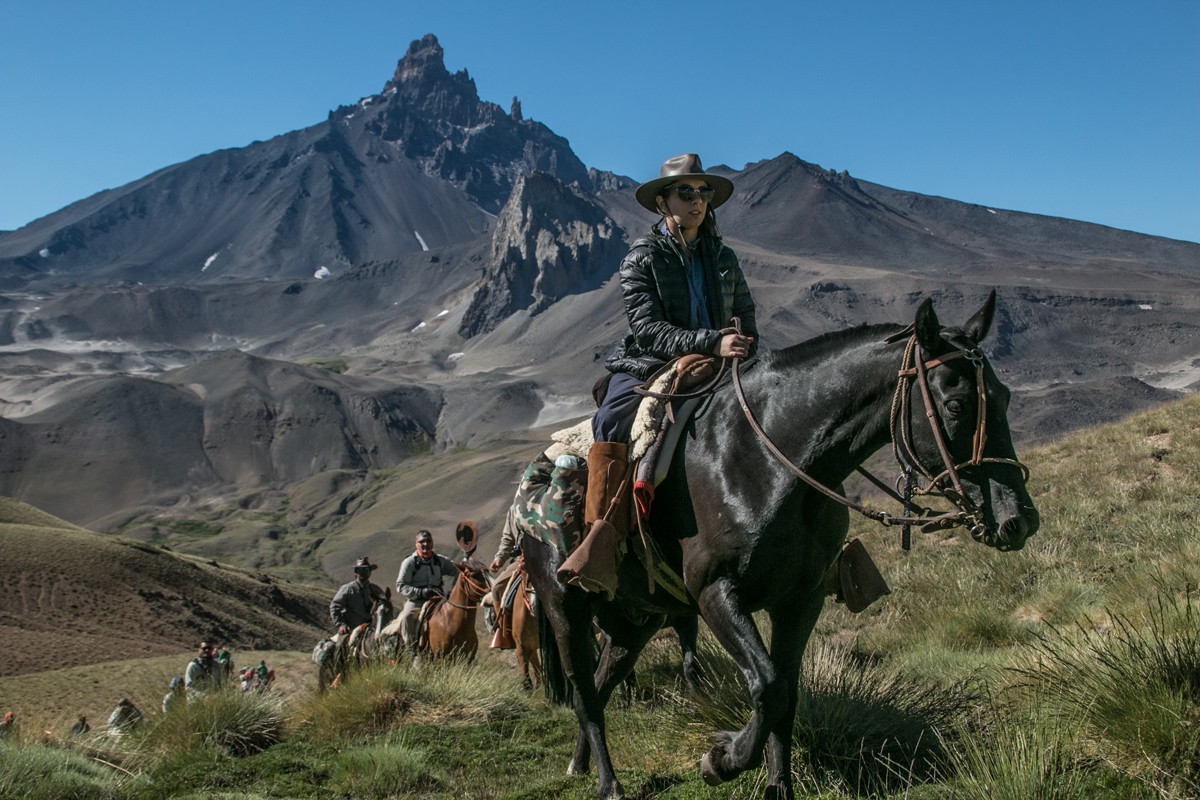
(479, 590)
(913, 368)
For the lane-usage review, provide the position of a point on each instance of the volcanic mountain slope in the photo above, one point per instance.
(230, 420)
(790, 206)
(422, 164)
(70, 597)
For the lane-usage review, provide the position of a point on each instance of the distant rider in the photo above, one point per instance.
(203, 672)
(351, 606)
(124, 718)
(420, 580)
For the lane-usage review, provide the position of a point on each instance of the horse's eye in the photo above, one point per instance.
(954, 406)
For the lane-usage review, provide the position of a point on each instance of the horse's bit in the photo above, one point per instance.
(912, 368)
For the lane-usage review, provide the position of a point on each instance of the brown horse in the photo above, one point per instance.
(450, 627)
(523, 626)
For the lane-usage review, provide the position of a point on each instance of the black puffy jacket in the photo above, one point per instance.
(657, 303)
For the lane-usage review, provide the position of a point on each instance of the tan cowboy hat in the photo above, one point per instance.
(363, 561)
(675, 169)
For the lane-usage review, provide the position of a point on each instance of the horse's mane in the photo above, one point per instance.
(823, 345)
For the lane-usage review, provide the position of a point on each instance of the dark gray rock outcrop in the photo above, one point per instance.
(550, 241)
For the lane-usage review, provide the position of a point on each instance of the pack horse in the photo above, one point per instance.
(752, 516)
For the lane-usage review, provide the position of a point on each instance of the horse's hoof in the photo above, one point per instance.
(708, 773)
(776, 792)
(615, 793)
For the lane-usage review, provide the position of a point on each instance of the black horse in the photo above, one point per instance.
(748, 534)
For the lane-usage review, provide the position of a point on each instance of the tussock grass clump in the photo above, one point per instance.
(387, 768)
(872, 729)
(1136, 685)
(860, 727)
(379, 697)
(1034, 758)
(453, 690)
(228, 721)
(367, 702)
(47, 773)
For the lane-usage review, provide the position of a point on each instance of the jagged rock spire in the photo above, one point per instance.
(550, 241)
(438, 120)
(424, 61)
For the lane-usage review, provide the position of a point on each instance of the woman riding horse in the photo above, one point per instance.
(681, 285)
(751, 515)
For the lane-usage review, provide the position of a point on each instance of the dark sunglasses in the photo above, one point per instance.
(687, 193)
(363, 570)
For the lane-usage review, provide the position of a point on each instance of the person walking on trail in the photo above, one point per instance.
(351, 606)
(682, 287)
(203, 673)
(175, 696)
(419, 581)
(8, 726)
(124, 718)
(225, 665)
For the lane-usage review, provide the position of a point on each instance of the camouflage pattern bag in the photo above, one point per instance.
(549, 503)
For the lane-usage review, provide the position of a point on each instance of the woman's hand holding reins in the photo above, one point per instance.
(733, 345)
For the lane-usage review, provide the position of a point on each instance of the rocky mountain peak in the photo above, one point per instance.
(550, 241)
(437, 119)
(421, 80)
(424, 61)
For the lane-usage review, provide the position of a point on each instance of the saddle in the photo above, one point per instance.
(669, 399)
(423, 621)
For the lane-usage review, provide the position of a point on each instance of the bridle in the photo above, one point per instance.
(914, 367)
(479, 591)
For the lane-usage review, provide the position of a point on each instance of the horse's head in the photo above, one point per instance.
(382, 612)
(474, 578)
(974, 464)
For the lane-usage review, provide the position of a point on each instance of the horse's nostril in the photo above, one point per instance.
(1013, 532)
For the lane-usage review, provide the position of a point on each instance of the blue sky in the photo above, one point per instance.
(1087, 110)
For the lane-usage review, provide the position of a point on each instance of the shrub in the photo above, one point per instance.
(1137, 685)
(37, 772)
(860, 727)
(231, 722)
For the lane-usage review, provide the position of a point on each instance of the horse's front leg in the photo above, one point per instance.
(737, 751)
(791, 626)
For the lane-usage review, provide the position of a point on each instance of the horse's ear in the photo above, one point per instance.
(927, 328)
(387, 593)
(977, 326)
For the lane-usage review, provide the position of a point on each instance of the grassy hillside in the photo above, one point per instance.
(71, 597)
(1069, 670)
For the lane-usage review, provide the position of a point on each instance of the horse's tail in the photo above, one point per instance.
(555, 682)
